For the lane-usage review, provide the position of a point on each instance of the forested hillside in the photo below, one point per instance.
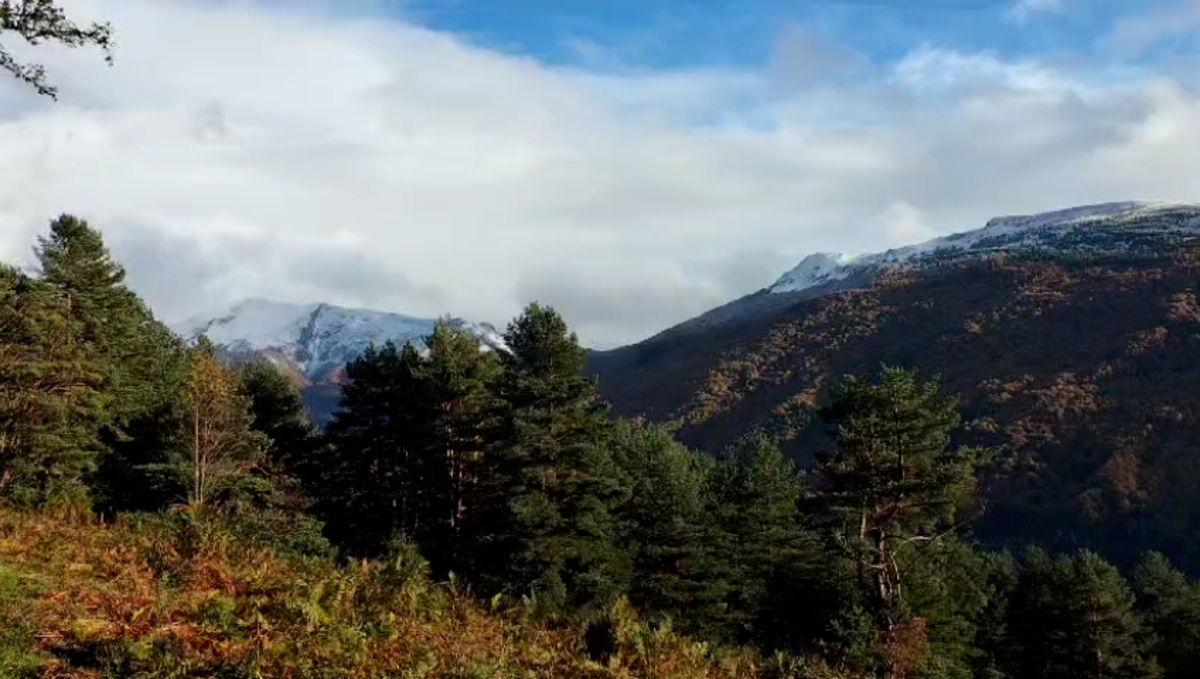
(473, 513)
(1081, 368)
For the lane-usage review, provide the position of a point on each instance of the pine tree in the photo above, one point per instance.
(1107, 639)
(780, 594)
(1074, 617)
(37, 21)
(411, 457)
(143, 363)
(50, 397)
(893, 483)
(664, 528)
(460, 413)
(558, 471)
(1169, 605)
(370, 480)
(278, 412)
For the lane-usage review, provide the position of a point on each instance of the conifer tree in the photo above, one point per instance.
(277, 410)
(371, 474)
(1169, 604)
(893, 483)
(1074, 617)
(558, 471)
(142, 362)
(410, 453)
(464, 503)
(664, 528)
(38, 21)
(780, 592)
(50, 396)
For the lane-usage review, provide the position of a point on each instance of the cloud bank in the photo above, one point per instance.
(240, 149)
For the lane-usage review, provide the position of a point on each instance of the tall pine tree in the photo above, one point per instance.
(893, 482)
(144, 365)
(558, 471)
(50, 396)
(370, 479)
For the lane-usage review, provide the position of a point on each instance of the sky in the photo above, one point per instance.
(632, 163)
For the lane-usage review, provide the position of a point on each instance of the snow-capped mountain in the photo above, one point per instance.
(1105, 228)
(315, 341)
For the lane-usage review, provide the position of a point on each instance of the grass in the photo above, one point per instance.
(171, 596)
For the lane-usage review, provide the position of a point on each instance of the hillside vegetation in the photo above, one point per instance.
(1082, 368)
(482, 514)
(175, 596)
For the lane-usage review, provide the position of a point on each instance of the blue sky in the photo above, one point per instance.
(682, 34)
(631, 162)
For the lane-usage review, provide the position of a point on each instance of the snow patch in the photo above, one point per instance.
(318, 339)
(1106, 225)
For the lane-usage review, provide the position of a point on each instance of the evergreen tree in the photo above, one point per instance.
(464, 502)
(781, 593)
(665, 529)
(949, 588)
(36, 21)
(50, 397)
(1074, 618)
(144, 365)
(995, 648)
(1169, 605)
(558, 471)
(277, 411)
(371, 476)
(893, 483)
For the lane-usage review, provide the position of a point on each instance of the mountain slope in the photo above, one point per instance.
(1073, 339)
(314, 342)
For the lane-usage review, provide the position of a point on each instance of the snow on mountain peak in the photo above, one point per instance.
(317, 339)
(1106, 226)
(813, 270)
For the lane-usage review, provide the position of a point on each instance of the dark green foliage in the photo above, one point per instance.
(559, 476)
(1169, 604)
(50, 396)
(277, 411)
(1074, 617)
(463, 504)
(142, 363)
(371, 474)
(407, 453)
(665, 528)
(781, 579)
(893, 483)
(947, 587)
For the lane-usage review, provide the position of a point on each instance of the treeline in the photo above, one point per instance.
(506, 473)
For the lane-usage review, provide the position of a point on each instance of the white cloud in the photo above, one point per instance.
(239, 151)
(1140, 31)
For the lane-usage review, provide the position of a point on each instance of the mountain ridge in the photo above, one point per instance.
(1073, 351)
(315, 341)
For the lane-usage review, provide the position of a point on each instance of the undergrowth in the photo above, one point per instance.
(175, 596)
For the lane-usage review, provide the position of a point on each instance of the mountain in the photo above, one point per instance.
(314, 342)
(1072, 337)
